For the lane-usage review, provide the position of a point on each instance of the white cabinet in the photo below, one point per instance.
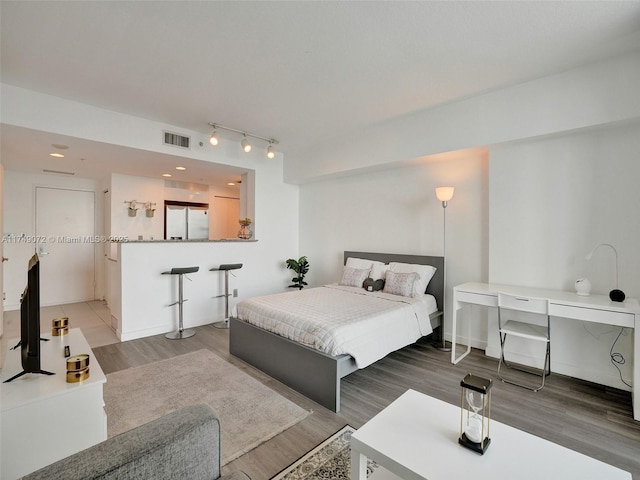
(44, 418)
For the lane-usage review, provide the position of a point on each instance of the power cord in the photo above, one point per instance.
(617, 358)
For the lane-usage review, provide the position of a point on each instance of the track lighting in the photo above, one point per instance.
(213, 140)
(246, 146)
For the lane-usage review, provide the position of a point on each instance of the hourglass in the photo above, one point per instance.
(475, 413)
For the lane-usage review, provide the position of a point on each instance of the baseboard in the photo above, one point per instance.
(610, 380)
(462, 341)
(157, 330)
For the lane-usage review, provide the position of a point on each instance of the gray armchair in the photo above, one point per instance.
(184, 444)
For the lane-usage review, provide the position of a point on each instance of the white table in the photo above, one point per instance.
(416, 438)
(592, 308)
(44, 418)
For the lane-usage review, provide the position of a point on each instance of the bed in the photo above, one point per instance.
(291, 354)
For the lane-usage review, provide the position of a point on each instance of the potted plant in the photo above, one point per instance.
(300, 267)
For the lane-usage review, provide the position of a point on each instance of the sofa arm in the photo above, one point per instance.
(182, 444)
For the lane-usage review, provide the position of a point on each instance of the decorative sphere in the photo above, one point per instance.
(583, 286)
(617, 295)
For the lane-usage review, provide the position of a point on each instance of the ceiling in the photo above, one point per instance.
(302, 72)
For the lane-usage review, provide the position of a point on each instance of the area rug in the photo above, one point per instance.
(330, 460)
(250, 412)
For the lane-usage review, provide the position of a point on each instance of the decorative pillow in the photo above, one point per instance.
(371, 285)
(378, 271)
(361, 263)
(425, 274)
(354, 277)
(400, 283)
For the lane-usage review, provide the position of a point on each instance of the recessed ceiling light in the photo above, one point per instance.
(231, 184)
(57, 155)
(166, 175)
(59, 146)
(181, 168)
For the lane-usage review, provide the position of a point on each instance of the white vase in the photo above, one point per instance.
(583, 287)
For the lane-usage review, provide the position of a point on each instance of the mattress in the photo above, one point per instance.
(338, 320)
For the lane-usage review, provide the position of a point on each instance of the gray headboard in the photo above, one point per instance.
(436, 285)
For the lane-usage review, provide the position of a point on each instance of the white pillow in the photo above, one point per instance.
(378, 271)
(425, 274)
(400, 283)
(354, 277)
(361, 263)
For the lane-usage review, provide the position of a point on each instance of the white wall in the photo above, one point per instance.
(125, 188)
(594, 95)
(396, 211)
(1, 244)
(146, 293)
(551, 202)
(559, 147)
(19, 218)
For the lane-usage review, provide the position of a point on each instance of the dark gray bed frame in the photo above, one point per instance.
(312, 373)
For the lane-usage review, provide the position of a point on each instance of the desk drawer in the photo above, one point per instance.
(477, 298)
(607, 317)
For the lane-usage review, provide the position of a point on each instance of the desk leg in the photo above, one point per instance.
(635, 381)
(358, 465)
(454, 314)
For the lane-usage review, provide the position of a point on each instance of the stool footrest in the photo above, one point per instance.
(177, 303)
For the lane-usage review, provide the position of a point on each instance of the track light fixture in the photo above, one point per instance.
(246, 146)
(213, 139)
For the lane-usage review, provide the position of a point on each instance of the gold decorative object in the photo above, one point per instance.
(60, 322)
(78, 362)
(77, 368)
(78, 376)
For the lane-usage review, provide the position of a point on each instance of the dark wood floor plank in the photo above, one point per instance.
(586, 417)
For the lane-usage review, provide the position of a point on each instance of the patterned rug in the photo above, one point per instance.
(329, 460)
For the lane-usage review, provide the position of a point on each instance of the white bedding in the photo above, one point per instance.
(342, 320)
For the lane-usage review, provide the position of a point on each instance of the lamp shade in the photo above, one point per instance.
(444, 194)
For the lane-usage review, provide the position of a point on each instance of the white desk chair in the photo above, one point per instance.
(530, 331)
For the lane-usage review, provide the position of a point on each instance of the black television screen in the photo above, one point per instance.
(30, 322)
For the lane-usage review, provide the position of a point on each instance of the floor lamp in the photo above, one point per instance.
(444, 194)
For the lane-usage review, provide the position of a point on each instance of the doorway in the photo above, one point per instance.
(226, 213)
(66, 245)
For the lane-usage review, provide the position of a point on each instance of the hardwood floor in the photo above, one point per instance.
(586, 417)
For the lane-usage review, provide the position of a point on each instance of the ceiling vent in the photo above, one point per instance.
(57, 172)
(176, 140)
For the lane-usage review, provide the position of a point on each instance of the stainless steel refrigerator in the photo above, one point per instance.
(186, 222)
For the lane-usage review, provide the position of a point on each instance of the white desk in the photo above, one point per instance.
(44, 418)
(593, 308)
(416, 438)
